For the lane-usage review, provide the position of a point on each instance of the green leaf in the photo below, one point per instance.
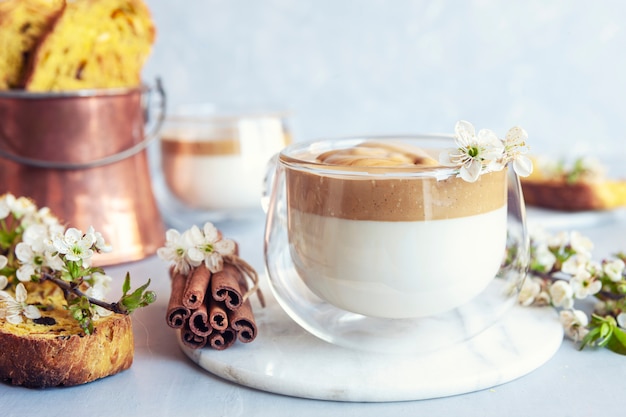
(617, 343)
(590, 338)
(137, 298)
(605, 330)
(126, 285)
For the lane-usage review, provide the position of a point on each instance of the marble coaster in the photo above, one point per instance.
(285, 359)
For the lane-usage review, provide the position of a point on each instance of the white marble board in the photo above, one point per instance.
(285, 359)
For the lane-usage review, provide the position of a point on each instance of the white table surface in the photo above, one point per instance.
(164, 382)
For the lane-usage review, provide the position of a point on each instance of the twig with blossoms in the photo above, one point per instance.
(562, 272)
(485, 152)
(35, 247)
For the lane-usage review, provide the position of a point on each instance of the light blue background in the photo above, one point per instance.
(348, 67)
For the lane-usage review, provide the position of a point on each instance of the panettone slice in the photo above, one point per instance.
(54, 350)
(22, 25)
(94, 44)
(582, 187)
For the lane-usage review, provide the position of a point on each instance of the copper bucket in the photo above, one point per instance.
(82, 154)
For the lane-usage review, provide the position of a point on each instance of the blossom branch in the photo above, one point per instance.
(36, 247)
(68, 287)
(562, 272)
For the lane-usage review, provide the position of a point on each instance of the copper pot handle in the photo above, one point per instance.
(111, 159)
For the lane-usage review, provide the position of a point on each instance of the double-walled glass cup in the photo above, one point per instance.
(392, 258)
(211, 162)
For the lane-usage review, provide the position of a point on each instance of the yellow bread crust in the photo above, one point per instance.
(549, 188)
(578, 196)
(40, 361)
(94, 44)
(40, 356)
(22, 25)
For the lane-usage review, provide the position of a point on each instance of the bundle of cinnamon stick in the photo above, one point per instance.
(211, 309)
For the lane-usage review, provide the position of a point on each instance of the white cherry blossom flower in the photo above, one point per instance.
(12, 309)
(209, 247)
(33, 258)
(473, 152)
(176, 250)
(25, 272)
(31, 261)
(575, 264)
(39, 233)
(4, 281)
(6, 202)
(515, 148)
(98, 290)
(562, 294)
(46, 217)
(558, 240)
(24, 252)
(544, 257)
(584, 284)
(100, 311)
(530, 291)
(22, 206)
(595, 268)
(102, 281)
(196, 238)
(543, 299)
(75, 245)
(581, 244)
(574, 323)
(36, 236)
(614, 269)
(53, 261)
(99, 241)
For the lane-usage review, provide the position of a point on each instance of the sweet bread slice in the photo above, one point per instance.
(582, 187)
(54, 350)
(22, 24)
(94, 44)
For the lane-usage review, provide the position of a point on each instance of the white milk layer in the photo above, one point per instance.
(218, 182)
(398, 269)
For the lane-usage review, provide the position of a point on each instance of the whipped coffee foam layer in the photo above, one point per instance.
(373, 154)
(380, 196)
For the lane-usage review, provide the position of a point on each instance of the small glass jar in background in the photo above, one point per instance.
(210, 163)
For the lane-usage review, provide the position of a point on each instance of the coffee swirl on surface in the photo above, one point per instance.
(372, 154)
(383, 197)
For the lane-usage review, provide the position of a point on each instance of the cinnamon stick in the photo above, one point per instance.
(218, 317)
(177, 313)
(192, 340)
(199, 321)
(197, 285)
(226, 287)
(242, 321)
(222, 340)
